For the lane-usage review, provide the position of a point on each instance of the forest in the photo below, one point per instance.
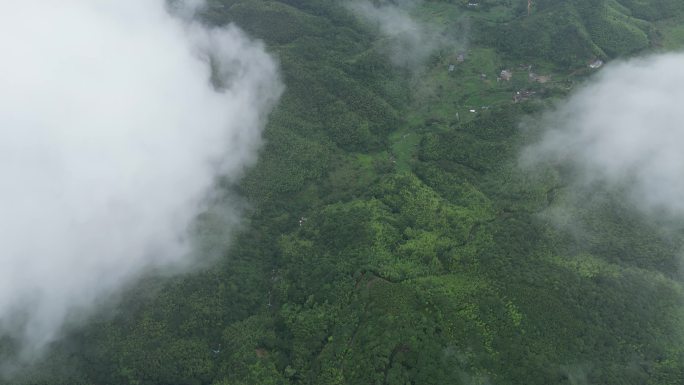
(391, 235)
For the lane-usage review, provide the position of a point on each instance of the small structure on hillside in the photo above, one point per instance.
(460, 58)
(596, 64)
(506, 75)
(539, 78)
(452, 67)
(521, 96)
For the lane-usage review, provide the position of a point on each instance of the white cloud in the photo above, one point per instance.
(111, 138)
(410, 41)
(625, 130)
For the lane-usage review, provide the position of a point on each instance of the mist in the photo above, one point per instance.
(410, 42)
(623, 131)
(117, 119)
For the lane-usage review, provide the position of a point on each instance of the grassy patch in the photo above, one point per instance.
(672, 31)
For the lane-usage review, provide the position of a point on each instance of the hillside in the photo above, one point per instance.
(569, 32)
(392, 237)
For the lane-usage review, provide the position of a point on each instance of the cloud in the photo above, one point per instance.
(112, 136)
(410, 41)
(624, 130)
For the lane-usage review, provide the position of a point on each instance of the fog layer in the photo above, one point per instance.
(624, 130)
(410, 41)
(111, 139)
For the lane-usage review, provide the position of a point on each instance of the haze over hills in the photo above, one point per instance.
(567, 32)
(487, 209)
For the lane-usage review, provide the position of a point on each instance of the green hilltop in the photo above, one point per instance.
(567, 32)
(391, 236)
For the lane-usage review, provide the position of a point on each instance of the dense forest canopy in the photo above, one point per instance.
(391, 235)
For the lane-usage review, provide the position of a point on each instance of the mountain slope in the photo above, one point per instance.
(392, 239)
(573, 32)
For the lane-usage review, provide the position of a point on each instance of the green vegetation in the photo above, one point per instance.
(392, 239)
(672, 33)
(569, 33)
